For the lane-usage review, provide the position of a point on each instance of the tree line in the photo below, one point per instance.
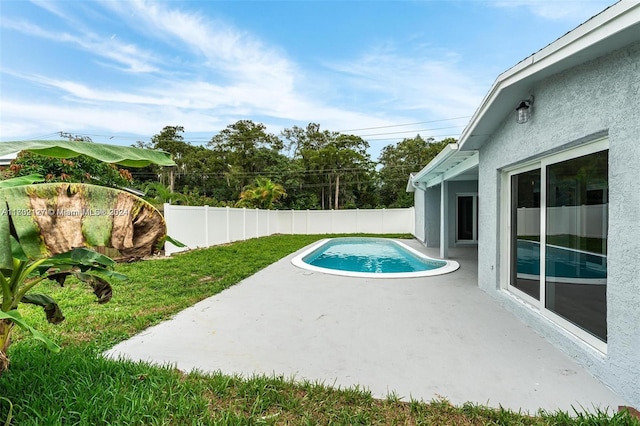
(244, 165)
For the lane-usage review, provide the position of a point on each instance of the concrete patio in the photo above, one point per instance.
(421, 338)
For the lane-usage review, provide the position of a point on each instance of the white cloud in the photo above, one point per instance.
(26, 118)
(133, 58)
(424, 80)
(219, 74)
(223, 48)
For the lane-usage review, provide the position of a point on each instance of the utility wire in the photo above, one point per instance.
(411, 131)
(206, 139)
(407, 124)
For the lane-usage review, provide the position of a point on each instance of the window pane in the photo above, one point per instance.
(525, 232)
(576, 241)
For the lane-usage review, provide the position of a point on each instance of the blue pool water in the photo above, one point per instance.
(370, 256)
(561, 262)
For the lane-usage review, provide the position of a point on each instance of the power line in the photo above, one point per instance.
(206, 139)
(411, 131)
(399, 138)
(296, 173)
(48, 135)
(407, 124)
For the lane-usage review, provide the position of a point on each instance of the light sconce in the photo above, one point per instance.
(523, 110)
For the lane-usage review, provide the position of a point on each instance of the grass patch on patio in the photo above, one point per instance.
(78, 387)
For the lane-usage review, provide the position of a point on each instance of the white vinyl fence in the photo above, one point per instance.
(583, 221)
(209, 226)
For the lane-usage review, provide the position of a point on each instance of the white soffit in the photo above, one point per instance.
(448, 164)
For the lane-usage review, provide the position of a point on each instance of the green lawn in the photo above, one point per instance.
(78, 387)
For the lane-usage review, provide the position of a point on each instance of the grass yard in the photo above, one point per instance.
(78, 387)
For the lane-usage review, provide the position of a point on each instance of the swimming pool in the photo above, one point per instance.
(562, 264)
(370, 257)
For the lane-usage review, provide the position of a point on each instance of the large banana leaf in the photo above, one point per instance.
(122, 155)
(38, 221)
(21, 180)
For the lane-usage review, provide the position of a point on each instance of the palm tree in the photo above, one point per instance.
(161, 194)
(263, 194)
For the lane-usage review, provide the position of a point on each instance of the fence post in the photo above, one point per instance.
(257, 222)
(331, 221)
(244, 223)
(269, 221)
(292, 222)
(167, 217)
(357, 221)
(384, 230)
(206, 226)
(228, 224)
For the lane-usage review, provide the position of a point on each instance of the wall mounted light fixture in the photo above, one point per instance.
(523, 110)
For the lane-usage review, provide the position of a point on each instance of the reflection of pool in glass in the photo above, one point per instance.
(370, 257)
(562, 264)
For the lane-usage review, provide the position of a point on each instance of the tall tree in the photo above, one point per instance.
(170, 139)
(196, 167)
(336, 166)
(401, 159)
(247, 151)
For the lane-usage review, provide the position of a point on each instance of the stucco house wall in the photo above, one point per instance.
(597, 99)
(419, 205)
(427, 203)
(432, 216)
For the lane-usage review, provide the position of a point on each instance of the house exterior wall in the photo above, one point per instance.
(594, 100)
(432, 216)
(418, 202)
(427, 208)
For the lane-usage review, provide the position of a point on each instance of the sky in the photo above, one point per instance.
(385, 70)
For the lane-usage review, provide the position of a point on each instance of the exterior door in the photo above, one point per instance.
(467, 218)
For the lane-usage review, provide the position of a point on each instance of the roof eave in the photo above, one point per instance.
(442, 156)
(614, 28)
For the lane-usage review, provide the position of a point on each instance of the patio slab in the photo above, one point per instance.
(419, 338)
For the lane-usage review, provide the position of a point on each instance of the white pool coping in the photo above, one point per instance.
(450, 265)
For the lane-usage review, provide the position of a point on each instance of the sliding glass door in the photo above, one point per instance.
(557, 245)
(525, 232)
(576, 241)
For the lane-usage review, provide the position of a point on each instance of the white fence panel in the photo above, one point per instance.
(397, 220)
(344, 222)
(263, 225)
(250, 224)
(208, 226)
(284, 223)
(235, 224)
(371, 221)
(299, 221)
(583, 221)
(189, 232)
(321, 221)
(217, 220)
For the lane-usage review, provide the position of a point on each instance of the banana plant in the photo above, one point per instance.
(50, 231)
